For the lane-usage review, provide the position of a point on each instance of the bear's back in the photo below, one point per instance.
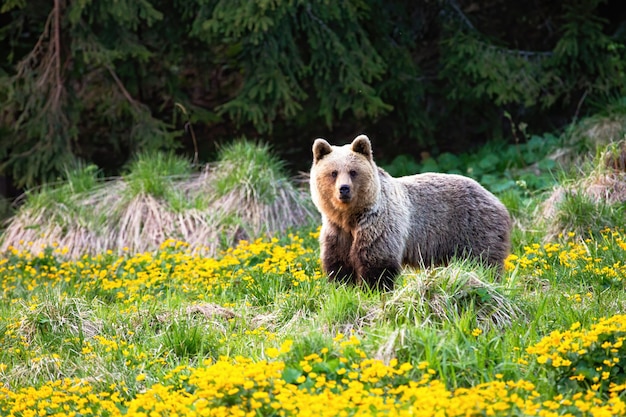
(453, 214)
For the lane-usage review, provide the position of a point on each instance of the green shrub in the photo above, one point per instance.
(525, 167)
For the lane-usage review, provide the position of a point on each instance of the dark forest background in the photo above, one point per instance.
(99, 81)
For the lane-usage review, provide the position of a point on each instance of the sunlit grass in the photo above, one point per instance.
(244, 195)
(257, 330)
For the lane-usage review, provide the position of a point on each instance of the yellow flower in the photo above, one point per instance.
(339, 337)
(272, 352)
(286, 346)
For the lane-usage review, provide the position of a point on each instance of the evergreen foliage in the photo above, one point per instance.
(100, 81)
(338, 65)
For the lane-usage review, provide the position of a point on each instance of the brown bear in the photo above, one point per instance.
(373, 223)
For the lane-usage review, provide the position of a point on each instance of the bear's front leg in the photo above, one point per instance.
(380, 276)
(335, 250)
(376, 272)
(377, 255)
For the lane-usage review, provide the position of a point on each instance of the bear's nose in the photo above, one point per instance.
(344, 191)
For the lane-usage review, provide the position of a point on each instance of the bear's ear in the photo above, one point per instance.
(321, 148)
(361, 144)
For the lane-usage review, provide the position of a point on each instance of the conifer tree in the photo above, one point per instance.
(99, 81)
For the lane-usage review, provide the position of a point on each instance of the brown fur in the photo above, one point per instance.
(373, 223)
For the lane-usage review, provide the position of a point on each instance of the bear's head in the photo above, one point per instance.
(344, 179)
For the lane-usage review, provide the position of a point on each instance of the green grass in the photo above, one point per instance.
(579, 213)
(153, 174)
(249, 166)
(591, 202)
(243, 195)
(126, 324)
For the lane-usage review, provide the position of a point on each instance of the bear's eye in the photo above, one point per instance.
(334, 174)
(352, 173)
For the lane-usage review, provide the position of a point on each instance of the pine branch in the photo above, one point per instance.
(517, 52)
(31, 60)
(460, 13)
(43, 64)
(123, 89)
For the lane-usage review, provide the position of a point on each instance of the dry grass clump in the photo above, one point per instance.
(588, 135)
(445, 294)
(591, 203)
(600, 130)
(162, 198)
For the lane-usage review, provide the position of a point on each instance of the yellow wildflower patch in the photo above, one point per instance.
(338, 380)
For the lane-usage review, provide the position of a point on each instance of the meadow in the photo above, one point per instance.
(257, 330)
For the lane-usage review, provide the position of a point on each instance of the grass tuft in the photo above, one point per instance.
(345, 310)
(250, 168)
(188, 338)
(444, 294)
(54, 318)
(153, 173)
(251, 189)
(591, 203)
(243, 196)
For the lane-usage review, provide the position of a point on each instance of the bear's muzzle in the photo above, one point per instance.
(344, 193)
